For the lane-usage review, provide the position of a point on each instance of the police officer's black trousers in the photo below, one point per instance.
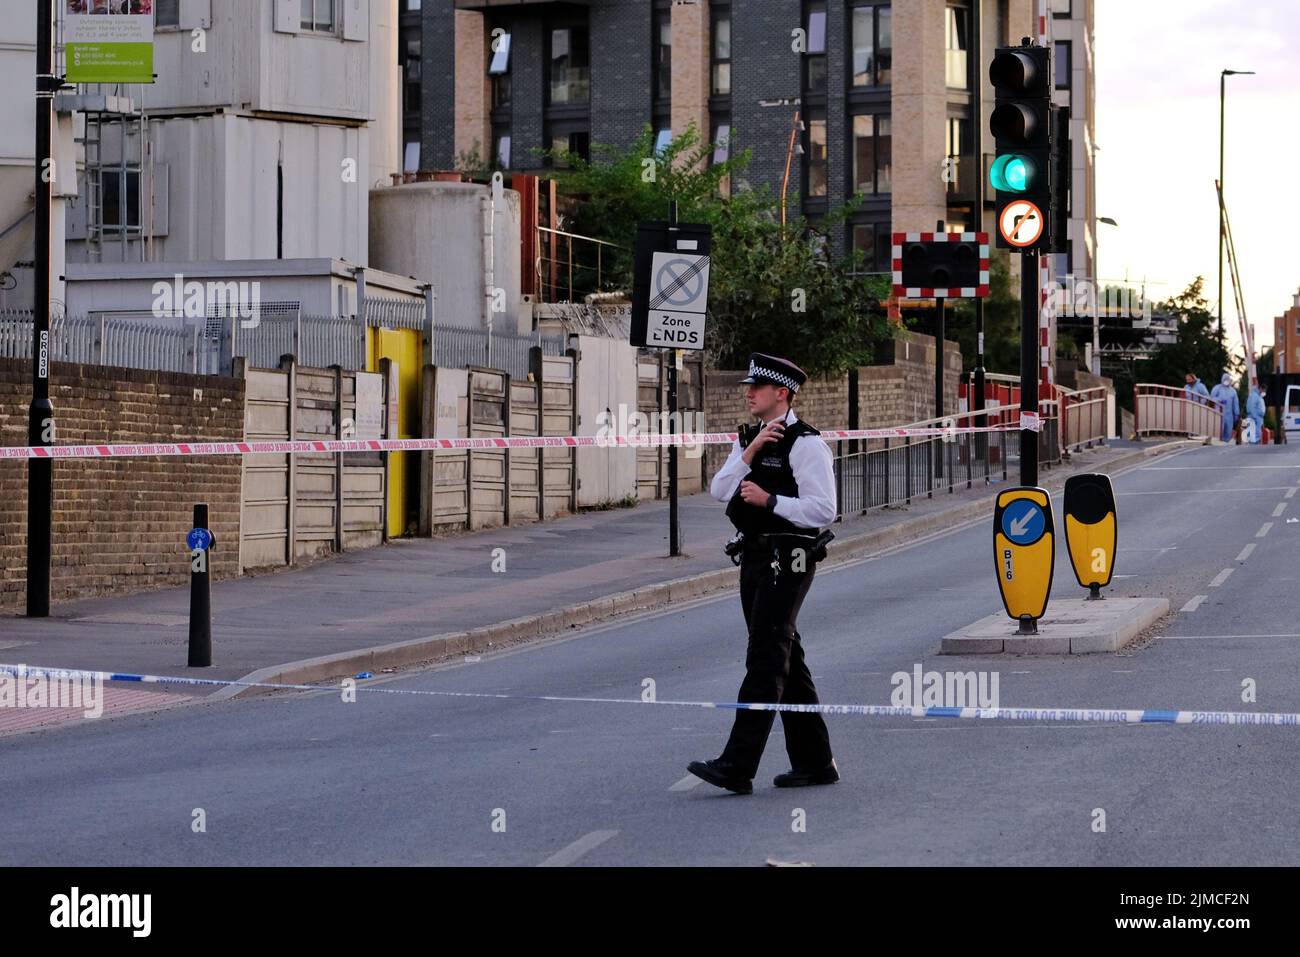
(775, 670)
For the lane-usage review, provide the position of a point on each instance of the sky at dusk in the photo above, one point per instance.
(1157, 72)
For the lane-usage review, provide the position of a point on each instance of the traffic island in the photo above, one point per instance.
(1072, 626)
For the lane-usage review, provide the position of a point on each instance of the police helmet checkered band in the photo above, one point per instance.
(774, 370)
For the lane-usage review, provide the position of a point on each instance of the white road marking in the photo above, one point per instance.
(1117, 672)
(588, 842)
(1186, 637)
(1245, 552)
(1290, 493)
(1203, 491)
(686, 783)
(1263, 529)
(1021, 672)
(1212, 468)
(1194, 604)
(1281, 507)
(1220, 578)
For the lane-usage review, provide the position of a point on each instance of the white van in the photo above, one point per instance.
(1291, 414)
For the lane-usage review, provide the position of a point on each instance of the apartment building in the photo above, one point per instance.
(1072, 47)
(877, 94)
(1286, 338)
(266, 127)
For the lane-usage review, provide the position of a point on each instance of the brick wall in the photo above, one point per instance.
(891, 394)
(120, 524)
(903, 391)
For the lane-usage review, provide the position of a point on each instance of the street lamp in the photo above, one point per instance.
(1096, 318)
(1223, 78)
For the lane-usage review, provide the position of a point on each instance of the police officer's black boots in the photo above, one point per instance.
(798, 779)
(722, 774)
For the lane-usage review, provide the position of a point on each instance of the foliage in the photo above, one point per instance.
(1001, 321)
(1199, 349)
(772, 288)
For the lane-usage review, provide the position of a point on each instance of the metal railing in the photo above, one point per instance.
(563, 276)
(1167, 410)
(880, 472)
(456, 348)
(1083, 418)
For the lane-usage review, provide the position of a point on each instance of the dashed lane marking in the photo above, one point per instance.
(1194, 604)
(686, 783)
(1281, 507)
(1263, 529)
(1245, 552)
(583, 845)
(1220, 578)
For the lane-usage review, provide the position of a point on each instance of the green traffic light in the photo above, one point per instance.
(1012, 173)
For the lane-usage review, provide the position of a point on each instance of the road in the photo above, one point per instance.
(305, 778)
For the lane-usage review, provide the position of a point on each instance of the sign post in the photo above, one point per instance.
(200, 542)
(670, 295)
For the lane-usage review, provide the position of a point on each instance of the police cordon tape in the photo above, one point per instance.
(1103, 715)
(659, 439)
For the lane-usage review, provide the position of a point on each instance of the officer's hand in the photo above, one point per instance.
(753, 495)
(771, 432)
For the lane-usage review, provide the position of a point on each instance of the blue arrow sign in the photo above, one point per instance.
(199, 538)
(1023, 522)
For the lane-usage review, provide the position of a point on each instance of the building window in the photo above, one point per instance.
(1061, 8)
(959, 146)
(872, 149)
(872, 45)
(499, 44)
(663, 139)
(570, 63)
(111, 213)
(816, 162)
(411, 156)
(815, 59)
(1062, 64)
(501, 150)
(721, 54)
(957, 42)
(721, 142)
(663, 53)
(566, 143)
(167, 13)
(873, 240)
(412, 73)
(318, 16)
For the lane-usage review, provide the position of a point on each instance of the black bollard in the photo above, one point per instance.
(200, 542)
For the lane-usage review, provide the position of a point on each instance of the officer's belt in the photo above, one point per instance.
(766, 542)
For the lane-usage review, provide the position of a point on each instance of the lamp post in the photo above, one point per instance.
(40, 415)
(1096, 320)
(1223, 78)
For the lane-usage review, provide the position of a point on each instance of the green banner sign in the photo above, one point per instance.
(109, 41)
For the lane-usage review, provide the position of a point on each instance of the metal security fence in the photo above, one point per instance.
(456, 348)
(881, 472)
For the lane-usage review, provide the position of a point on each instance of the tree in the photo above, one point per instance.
(1001, 321)
(772, 288)
(1199, 349)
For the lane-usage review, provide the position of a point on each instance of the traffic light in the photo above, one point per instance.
(1023, 124)
(941, 265)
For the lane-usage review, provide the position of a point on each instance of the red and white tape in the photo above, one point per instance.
(660, 439)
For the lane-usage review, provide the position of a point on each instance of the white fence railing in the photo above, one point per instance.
(1167, 410)
(1084, 417)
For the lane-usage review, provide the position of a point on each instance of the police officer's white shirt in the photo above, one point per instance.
(813, 465)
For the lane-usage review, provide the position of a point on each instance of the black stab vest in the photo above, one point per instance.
(771, 471)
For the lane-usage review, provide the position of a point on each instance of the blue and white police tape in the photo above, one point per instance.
(1102, 715)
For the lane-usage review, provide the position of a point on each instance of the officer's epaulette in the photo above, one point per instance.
(800, 427)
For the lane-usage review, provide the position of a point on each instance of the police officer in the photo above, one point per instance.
(779, 484)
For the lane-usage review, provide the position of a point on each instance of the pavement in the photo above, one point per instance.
(417, 600)
(546, 753)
